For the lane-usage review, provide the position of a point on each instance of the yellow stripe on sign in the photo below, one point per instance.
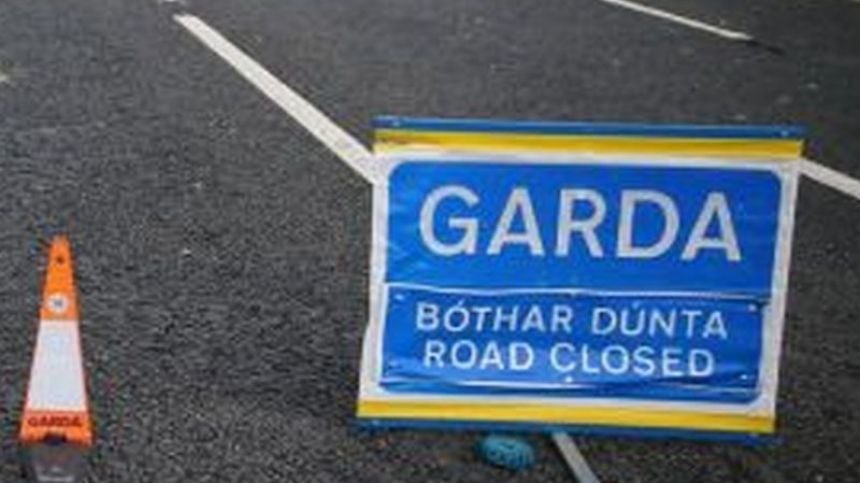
(565, 415)
(388, 140)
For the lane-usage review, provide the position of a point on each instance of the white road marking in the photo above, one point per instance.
(359, 158)
(5, 78)
(347, 148)
(831, 178)
(679, 19)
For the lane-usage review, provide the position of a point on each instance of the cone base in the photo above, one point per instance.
(54, 462)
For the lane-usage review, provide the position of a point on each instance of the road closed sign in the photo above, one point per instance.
(604, 277)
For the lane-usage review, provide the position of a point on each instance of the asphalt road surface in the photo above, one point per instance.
(223, 252)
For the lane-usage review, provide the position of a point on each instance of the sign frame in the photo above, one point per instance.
(379, 407)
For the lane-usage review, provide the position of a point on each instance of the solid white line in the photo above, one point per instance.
(679, 19)
(574, 459)
(830, 177)
(347, 148)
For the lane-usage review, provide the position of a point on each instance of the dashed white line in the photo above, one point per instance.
(829, 177)
(347, 148)
(680, 19)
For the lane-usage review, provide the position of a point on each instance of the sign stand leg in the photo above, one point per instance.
(574, 459)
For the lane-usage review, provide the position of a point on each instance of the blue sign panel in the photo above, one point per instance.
(568, 344)
(583, 226)
(575, 279)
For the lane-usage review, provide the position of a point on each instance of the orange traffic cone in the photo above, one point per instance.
(56, 428)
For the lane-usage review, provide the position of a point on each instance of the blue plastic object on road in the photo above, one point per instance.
(506, 451)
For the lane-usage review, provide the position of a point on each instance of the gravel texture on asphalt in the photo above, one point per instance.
(222, 253)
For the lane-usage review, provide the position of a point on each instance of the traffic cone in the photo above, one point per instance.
(56, 428)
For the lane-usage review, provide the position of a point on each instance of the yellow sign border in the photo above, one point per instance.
(389, 140)
(565, 415)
